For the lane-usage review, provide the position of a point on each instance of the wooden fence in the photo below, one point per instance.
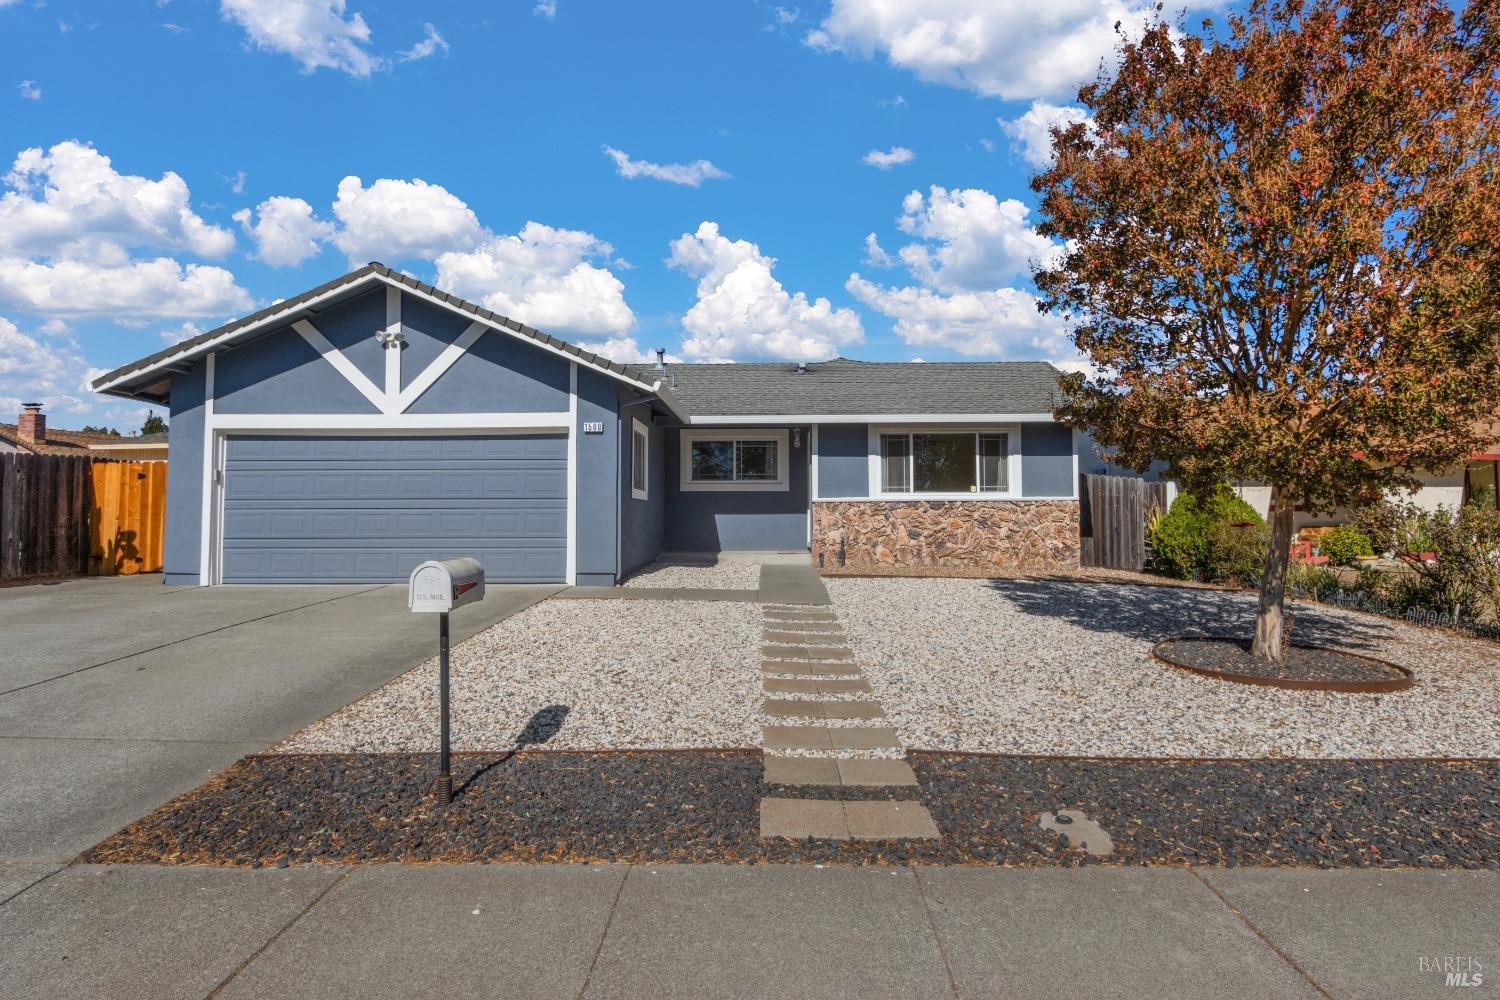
(64, 516)
(1112, 521)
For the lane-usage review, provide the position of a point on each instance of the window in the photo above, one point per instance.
(734, 460)
(945, 462)
(640, 449)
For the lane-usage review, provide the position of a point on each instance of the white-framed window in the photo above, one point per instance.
(640, 460)
(743, 460)
(946, 463)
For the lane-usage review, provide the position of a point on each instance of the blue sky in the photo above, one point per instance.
(786, 182)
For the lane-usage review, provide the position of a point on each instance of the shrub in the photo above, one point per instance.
(1201, 538)
(1344, 544)
(1464, 578)
(1305, 578)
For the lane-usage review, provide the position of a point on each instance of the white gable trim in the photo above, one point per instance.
(345, 367)
(311, 305)
(439, 365)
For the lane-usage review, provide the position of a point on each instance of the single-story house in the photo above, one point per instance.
(30, 435)
(347, 433)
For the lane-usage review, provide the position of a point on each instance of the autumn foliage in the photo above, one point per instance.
(1282, 251)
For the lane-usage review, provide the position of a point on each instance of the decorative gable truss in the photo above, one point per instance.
(391, 399)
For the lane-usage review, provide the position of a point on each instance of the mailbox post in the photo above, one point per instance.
(440, 586)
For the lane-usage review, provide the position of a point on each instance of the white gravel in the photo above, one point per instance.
(632, 674)
(1055, 667)
(708, 576)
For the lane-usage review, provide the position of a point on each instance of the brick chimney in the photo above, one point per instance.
(32, 425)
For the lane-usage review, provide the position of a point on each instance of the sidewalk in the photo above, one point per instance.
(760, 931)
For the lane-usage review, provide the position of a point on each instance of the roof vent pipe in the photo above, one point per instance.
(802, 368)
(661, 359)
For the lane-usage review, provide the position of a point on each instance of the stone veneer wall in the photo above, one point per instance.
(883, 535)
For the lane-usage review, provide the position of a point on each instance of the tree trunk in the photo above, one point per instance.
(1273, 581)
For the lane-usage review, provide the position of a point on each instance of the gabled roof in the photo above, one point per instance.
(858, 389)
(146, 378)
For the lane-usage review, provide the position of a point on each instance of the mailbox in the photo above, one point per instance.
(445, 584)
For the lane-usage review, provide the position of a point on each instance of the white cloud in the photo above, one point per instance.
(549, 278)
(1002, 321)
(70, 201)
(187, 331)
(431, 44)
(286, 232)
(982, 242)
(875, 254)
(30, 90)
(969, 249)
(625, 350)
(313, 32)
(691, 174)
(395, 220)
(743, 311)
(545, 8)
(886, 159)
(891, 102)
(1031, 136)
(127, 290)
(1012, 49)
(40, 368)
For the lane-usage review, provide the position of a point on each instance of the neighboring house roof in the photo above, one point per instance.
(147, 378)
(61, 442)
(858, 389)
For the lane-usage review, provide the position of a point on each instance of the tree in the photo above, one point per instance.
(154, 424)
(1280, 253)
(101, 431)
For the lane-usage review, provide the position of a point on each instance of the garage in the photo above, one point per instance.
(367, 509)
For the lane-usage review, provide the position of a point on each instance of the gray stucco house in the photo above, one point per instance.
(350, 432)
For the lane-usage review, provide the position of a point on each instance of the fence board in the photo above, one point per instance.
(67, 516)
(1113, 523)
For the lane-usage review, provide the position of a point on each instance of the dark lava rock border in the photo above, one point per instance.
(1306, 668)
(656, 807)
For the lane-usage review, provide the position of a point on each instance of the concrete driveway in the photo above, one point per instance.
(118, 693)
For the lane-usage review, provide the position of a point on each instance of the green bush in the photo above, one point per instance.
(1344, 544)
(1463, 580)
(1314, 581)
(1218, 538)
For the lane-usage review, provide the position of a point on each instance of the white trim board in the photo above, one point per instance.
(210, 478)
(885, 418)
(388, 423)
(644, 431)
(310, 306)
(571, 550)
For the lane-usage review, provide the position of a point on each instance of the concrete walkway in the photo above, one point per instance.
(742, 932)
(117, 694)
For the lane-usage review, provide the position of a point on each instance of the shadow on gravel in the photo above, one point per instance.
(544, 724)
(1157, 613)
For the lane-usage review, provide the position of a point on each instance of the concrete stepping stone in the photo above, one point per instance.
(785, 652)
(796, 738)
(864, 738)
(807, 668)
(804, 638)
(820, 628)
(890, 821)
(802, 771)
(798, 819)
(834, 772)
(823, 709)
(808, 685)
(805, 615)
(876, 772)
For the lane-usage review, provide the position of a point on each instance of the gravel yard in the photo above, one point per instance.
(573, 675)
(1059, 667)
(707, 576)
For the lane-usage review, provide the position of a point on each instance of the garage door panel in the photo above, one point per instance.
(355, 509)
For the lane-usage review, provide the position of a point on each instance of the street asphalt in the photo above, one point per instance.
(116, 695)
